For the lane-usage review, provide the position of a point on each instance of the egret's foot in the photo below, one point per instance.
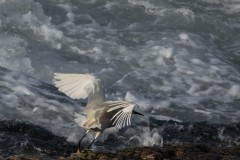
(78, 151)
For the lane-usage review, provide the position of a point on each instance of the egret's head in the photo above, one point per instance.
(137, 111)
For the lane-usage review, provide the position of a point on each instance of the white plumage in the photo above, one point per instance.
(76, 86)
(100, 114)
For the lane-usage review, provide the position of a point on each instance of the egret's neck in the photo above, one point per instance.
(97, 97)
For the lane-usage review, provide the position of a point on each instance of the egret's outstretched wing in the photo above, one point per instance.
(81, 86)
(122, 117)
(76, 86)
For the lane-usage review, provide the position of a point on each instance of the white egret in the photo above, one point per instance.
(100, 114)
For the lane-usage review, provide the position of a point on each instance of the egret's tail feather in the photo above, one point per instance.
(79, 119)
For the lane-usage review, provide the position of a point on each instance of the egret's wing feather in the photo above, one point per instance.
(117, 105)
(76, 86)
(81, 86)
(123, 109)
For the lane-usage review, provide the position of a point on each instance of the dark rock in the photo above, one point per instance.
(185, 151)
(141, 153)
(171, 152)
(198, 132)
(145, 153)
(198, 141)
(19, 138)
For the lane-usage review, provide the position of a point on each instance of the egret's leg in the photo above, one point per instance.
(91, 143)
(96, 136)
(79, 143)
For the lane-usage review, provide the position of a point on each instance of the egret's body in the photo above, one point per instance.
(100, 114)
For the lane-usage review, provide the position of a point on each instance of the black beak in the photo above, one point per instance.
(134, 112)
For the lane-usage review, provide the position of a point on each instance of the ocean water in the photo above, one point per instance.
(177, 59)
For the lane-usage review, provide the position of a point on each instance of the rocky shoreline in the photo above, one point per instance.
(184, 151)
(182, 141)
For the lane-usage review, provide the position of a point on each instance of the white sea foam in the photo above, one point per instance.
(148, 138)
(201, 111)
(144, 104)
(45, 30)
(232, 8)
(165, 118)
(12, 54)
(234, 91)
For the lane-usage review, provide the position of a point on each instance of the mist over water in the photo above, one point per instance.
(177, 59)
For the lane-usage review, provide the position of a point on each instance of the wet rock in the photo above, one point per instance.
(145, 153)
(198, 132)
(169, 152)
(190, 151)
(141, 153)
(185, 151)
(22, 138)
(183, 141)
